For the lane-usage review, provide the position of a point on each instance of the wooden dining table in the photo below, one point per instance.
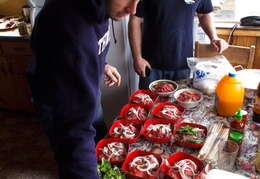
(206, 115)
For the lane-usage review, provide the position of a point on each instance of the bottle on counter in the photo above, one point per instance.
(229, 95)
(257, 163)
(237, 124)
(256, 112)
(245, 114)
(238, 138)
(22, 28)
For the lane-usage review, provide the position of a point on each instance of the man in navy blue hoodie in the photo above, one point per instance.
(70, 40)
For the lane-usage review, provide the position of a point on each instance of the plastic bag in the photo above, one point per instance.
(208, 71)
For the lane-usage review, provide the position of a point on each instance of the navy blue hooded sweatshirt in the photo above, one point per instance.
(70, 40)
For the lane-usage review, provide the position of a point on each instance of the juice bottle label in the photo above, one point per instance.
(226, 107)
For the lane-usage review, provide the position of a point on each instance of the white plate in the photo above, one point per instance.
(8, 19)
(249, 78)
(217, 174)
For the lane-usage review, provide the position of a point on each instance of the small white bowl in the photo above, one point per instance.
(188, 105)
(167, 94)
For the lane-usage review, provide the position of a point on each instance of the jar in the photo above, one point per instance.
(22, 28)
(244, 117)
(236, 137)
(257, 162)
(256, 112)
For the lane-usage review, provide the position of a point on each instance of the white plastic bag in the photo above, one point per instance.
(208, 71)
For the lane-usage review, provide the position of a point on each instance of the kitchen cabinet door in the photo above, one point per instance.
(20, 88)
(6, 99)
(14, 90)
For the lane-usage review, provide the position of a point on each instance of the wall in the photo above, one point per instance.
(11, 7)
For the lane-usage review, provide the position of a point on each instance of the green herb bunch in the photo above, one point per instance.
(107, 171)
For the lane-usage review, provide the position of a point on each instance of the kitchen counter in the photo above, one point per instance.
(15, 54)
(14, 33)
(230, 25)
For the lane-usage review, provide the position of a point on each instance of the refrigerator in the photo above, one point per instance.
(35, 7)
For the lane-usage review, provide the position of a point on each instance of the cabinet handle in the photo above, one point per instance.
(19, 48)
(3, 68)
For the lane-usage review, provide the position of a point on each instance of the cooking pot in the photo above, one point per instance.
(250, 79)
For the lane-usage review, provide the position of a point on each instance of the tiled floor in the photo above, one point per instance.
(24, 149)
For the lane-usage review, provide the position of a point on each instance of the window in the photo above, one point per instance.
(234, 10)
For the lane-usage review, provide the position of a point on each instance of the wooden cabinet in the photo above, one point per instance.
(15, 54)
(244, 36)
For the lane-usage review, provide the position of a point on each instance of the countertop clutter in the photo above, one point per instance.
(14, 33)
(14, 27)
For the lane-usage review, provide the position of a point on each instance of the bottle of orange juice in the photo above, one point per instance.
(229, 95)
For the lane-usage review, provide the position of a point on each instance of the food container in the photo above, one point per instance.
(154, 96)
(137, 124)
(127, 107)
(165, 94)
(187, 144)
(132, 156)
(188, 105)
(106, 141)
(157, 110)
(155, 121)
(22, 28)
(176, 157)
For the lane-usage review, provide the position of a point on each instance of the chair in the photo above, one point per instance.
(236, 55)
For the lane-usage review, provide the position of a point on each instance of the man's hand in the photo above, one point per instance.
(219, 44)
(140, 65)
(112, 76)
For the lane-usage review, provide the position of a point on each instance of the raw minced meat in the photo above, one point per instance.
(169, 112)
(159, 130)
(190, 134)
(163, 87)
(144, 166)
(186, 168)
(186, 96)
(142, 98)
(136, 112)
(128, 131)
(113, 151)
